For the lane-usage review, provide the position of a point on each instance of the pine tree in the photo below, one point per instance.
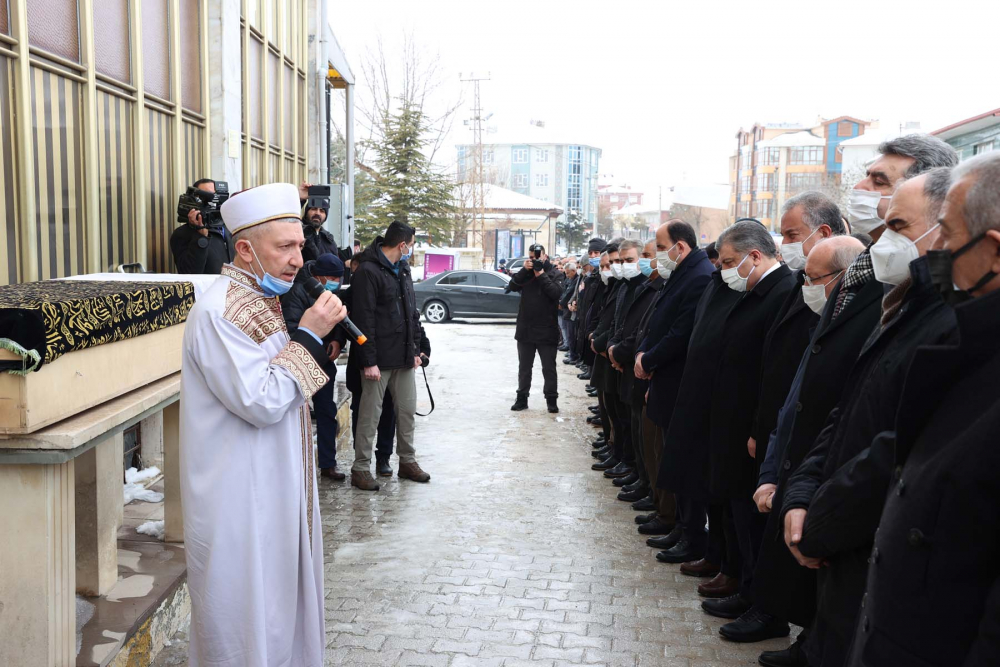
(573, 230)
(407, 187)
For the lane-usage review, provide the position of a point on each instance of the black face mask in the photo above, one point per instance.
(940, 262)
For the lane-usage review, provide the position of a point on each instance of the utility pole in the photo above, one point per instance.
(478, 189)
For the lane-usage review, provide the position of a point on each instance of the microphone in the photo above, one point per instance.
(316, 290)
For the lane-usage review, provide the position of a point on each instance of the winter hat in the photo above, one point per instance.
(596, 245)
(328, 264)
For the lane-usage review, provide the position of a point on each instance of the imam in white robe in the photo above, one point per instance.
(251, 511)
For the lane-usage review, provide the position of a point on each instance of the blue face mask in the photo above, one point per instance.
(595, 262)
(407, 256)
(331, 286)
(270, 285)
(644, 266)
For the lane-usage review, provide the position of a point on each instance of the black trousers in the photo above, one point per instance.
(691, 515)
(605, 418)
(326, 425)
(749, 531)
(637, 444)
(526, 359)
(732, 557)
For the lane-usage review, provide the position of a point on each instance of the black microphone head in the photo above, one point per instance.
(313, 287)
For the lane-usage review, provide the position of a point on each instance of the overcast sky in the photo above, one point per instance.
(662, 86)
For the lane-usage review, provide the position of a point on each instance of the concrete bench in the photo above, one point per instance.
(61, 495)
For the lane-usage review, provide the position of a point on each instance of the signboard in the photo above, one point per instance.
(502, 245)
(435, 264)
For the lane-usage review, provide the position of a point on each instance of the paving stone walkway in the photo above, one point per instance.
(516, 553)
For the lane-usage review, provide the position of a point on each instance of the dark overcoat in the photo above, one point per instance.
(733, 473)
(623, 343)
(538, 311)
(933, 594)
(604, 376)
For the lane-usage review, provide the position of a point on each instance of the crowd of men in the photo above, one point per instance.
(809, 429)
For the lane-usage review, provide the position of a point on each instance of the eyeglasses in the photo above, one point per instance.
(812, 281)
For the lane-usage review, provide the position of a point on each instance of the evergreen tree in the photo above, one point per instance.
(573, 230)
(406, 186)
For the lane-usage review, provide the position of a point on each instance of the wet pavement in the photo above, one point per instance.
(515, 552)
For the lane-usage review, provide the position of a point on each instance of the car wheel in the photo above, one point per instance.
(435, 311)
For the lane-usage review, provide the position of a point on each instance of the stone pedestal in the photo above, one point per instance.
(98, 508)
(37, 571)
(151, 429)
(172, 515)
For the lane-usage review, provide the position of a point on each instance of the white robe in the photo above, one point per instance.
(252, 529)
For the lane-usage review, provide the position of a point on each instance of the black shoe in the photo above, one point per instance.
(551, 405)
(666, 542)
(594, 419)
(634, 495)
(591, 392)
(595, 409)
(627, 480)
(793, 656)
(620, 470)
(602, 453)
(606, 464)
(569, 360)
(639, 484)
(586, 375)
(563, 348)
(682, 552)
(733, 606)
(754, 626)
(646, 518)
(656, 527)
(382, 468)
(521, 403)
(644, 505)
(599, 443)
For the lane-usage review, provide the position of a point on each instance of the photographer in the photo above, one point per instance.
(316, 200)
(201, 245)
(539, 283)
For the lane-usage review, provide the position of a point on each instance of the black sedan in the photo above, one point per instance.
(466, 294)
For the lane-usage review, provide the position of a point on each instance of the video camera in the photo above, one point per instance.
(318, 197)
(206, 203)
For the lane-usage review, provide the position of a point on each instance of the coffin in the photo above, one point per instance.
(82, 379)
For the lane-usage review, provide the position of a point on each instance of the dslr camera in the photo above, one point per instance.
(535, 254)
(206, 203)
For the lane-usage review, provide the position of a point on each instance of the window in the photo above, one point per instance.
(542, 180)
(111, 39)
(984, 147)
(53, 26)
(765, 182)
(745, 184)
(462, 278)
(806, 155)
(574, 192)
(613, 199)
(520, 155)
(487, 156)
(745, 159)
(156, 48)
(520, 180)
(541, 155)
(744, 209)
(798, 182)
(490, 280)
(190, 29)
(763, 208)
(845, 129)
(768, 156)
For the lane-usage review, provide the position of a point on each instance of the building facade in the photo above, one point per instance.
(773, 162)
(973, 136)
(109, 109)
(563, 174)
(614, 198)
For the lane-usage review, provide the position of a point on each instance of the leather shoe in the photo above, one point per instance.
(593, 418)
(382, 468)
(699, 568)
(664, 542)
(414, 472)
(793, 656)
(656, 527)
(332, 473)
(733, 606)
(599, 442)
(644, 505)
(628, 488)
(595, 409)
(591, 392)
(585, 375)
(627, 480)
(646, 518)
(720, 586)
(754, 626)
(633, 495)
(606, 464)
(682, 552)
(363, 480)
(621, 470)
(562, 348)
(569, 360)
(602, 453)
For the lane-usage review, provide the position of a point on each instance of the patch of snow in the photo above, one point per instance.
(135, 488)
(560, 419)
(153, 529)
(133, 476)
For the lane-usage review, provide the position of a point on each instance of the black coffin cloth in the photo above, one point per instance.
(42, 321)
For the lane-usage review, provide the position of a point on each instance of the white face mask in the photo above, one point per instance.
(630, 270)
(794, 255)
(733, 278)
(892, 254)
(605, 276)
(616, 270)
(862, 210)
(664, 265)
(815, 295)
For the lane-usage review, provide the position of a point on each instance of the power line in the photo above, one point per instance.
(478, 188)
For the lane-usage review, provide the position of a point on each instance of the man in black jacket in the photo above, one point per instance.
(318, 240)
(537, 330)
(839, 498)
(933, 596)
(200, 249)
(329, 271)
(385, 311)
(592, 287)
(664, 338)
